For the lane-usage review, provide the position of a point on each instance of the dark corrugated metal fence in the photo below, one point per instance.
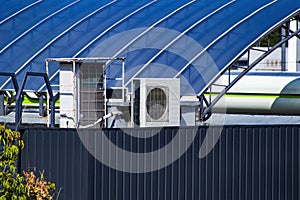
(247, 162)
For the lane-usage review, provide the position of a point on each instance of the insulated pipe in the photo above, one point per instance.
(102, 119)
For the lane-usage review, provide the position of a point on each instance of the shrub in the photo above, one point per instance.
(12, 184)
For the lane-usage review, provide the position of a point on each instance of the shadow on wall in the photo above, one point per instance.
(289, 99)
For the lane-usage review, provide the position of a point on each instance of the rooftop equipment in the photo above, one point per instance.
(156, 102)
(83, 99)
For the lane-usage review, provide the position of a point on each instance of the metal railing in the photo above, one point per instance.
(19, 98)
(206, 105)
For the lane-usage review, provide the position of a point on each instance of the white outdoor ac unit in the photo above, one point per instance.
(156, 102)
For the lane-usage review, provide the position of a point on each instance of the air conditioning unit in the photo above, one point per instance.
(156, 102)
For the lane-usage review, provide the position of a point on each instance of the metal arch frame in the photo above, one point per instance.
(109, 28)
(56, 38)
(151, 27)
(36, 25)
(206, 105)
(114, 25)
(20, 11)
(13, 98)
(12, 78)
(178, 37)
(221, 36)
(131, 42)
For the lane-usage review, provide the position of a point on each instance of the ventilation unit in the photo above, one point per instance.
(156, 102)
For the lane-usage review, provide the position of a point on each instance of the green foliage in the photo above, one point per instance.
(11, 184)
(272, 39)
(14, 185)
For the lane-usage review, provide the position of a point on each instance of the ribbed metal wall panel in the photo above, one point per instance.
(248, 162)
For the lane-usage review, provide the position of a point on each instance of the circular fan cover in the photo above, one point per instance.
(156, 103)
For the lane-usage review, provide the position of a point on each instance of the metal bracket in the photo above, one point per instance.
(203, 104)
(205, 111)
(19, 98)
(3, 109)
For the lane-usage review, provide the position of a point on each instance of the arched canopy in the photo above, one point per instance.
(193, 40)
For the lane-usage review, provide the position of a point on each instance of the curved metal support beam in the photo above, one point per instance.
(114, 25)
(104, 32)
(36, 25)
(132, 41)
(20, 11)
(221, 36)
(13, 78)
(149, 29)
(177, 38)
(56, 38)
(206, 111)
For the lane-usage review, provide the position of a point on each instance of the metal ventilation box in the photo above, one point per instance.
(81, 93)
(156, 102)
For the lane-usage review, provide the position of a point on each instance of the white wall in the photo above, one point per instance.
(293, 55)
(67, 101)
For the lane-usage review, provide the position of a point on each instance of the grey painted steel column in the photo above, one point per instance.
(2, 108)
(283, 48)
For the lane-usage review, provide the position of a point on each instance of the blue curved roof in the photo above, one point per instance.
(193, 40)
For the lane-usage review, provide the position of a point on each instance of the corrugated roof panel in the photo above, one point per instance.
(194, 40)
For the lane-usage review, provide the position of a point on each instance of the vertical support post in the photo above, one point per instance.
(293, 50)
(48, 109)
(201, 107)
(248, 58)
(104, 92)
(47, 97)
(123, 80)
(41, 105)
(132, 110)
(2, 107)
(52, 119)
(52, 122)
(283, 49)
(132, 99)
(210, 93)
(19, 99)
(18, 114)
(229, 74)
(269, 42)
(74, 94)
